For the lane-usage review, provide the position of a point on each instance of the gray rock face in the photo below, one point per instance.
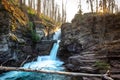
(3, 43)
(4, 22)
(17, 42)
(4, 47)
(97, 39)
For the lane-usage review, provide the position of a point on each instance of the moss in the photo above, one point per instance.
(31, 11)
(35, 37)
(102, 65)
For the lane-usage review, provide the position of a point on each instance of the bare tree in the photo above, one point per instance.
(63, 11)
(58, 16)
(30, 3)
(116, 9)
(55, 12)
(53, 9)
(23, 1)
(33, 4)
(38, 6)
(80, 7)
(97, 6)
(113, 5)
(104, 6)
(44, 7)
(91, 4)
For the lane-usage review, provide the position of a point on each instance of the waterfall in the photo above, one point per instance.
(53, 52)
(57, 35)
(48, 62)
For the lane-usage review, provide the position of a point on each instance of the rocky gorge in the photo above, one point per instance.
(18, 41)
(91, 43)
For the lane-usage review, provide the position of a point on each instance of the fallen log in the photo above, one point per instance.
(50, 72)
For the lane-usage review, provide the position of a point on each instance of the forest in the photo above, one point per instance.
(38, 41)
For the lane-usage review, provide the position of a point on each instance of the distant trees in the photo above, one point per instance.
(51, 9)
(111, 5)
(80, 7)
(90, 2)
(106, 6)
(47, 7)
(30, 3)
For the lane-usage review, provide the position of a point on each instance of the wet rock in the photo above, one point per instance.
(4, 47)
(70, 67)
(27, 49)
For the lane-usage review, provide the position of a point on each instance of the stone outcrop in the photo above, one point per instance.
(90, 40)
(16, 44)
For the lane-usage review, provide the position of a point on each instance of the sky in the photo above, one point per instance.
(72, 7)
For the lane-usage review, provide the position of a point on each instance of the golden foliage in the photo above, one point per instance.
(17, 14)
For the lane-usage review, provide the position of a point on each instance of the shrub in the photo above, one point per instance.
(35, 37)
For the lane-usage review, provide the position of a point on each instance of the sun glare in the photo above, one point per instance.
(100, 11)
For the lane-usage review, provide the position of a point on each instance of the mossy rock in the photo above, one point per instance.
(101, 65)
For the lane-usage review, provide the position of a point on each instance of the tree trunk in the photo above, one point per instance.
(20, 2)
(109, 3)
(39, 6)
(44, 7)
(113, 5)
(91, 5)
(50, 72)
(55, 13)
(62, 11)
(23, 2)
(30, 3)
(104, 6)
(96, 6)
(53, 9)
(33, 3)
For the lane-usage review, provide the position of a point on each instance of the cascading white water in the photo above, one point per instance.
(57, 35)
(48, 62)
(53, 52)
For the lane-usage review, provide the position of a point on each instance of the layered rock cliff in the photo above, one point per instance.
(91, 43)
(21, 32)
